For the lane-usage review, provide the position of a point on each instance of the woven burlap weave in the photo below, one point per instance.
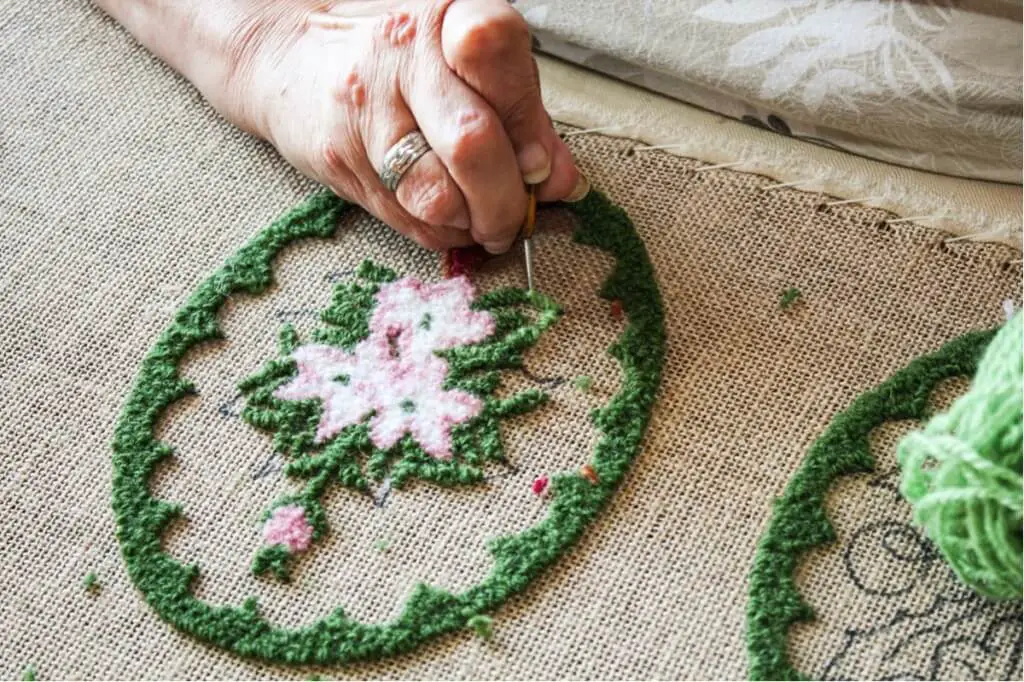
(122, 190)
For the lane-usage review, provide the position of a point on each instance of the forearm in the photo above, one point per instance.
(212, 43)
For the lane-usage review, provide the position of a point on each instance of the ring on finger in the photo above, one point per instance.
(401, 157)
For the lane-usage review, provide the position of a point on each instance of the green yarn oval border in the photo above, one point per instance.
(429, 612)
(799, 522)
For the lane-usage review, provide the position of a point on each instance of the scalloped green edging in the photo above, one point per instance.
(429, 612)
(799, 522)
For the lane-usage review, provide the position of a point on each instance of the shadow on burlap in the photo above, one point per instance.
(123, 191)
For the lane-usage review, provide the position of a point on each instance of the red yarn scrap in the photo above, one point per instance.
(616, 311)
(588, 472)
(463, 260)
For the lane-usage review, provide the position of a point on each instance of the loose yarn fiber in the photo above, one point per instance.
(962, 472)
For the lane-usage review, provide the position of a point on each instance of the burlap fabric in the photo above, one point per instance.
(122, 191)
(905, 615)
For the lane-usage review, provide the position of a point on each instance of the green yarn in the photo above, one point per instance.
(583, 383)
(799, 522)
(789, 298)
(30, 674)
(482, 625)
(90, 583)
(518, 559)
(962, 472)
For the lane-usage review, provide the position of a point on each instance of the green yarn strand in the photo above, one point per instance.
(962, 473)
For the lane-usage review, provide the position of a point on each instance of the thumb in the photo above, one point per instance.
(487, 44)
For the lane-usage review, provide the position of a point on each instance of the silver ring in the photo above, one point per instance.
(400, 158)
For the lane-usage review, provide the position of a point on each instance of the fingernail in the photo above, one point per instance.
(534, 163)
(496, 247)
(581, 190)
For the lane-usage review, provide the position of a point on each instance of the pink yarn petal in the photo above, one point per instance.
(318, 366)
(387, 427)
(395, 372)
(341, 410)
(436, 444)
(288, 526)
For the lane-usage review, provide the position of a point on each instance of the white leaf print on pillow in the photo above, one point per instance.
(745, 11)
(911, 51)
(847, 17)
(842, 82)
(787, 74)
(761, 46)
(853, 41)
(837, 48)
(792, 68)
(941, 9)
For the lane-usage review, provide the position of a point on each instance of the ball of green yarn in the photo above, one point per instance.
(962, 472)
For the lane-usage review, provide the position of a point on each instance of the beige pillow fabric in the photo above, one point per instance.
(930, 85)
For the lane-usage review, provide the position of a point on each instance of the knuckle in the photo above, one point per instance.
(350, 90)
(496, 34)
(436, 203)
(476, 133)
(332, 160)
(519, 109)
(331, 165)
(500, 231)
(429, 239)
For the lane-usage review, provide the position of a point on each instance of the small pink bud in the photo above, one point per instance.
(288, 526)
(540, 485)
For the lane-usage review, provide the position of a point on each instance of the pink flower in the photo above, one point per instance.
(429, 317)
(410, 399)
(395, 373)
(288, 526)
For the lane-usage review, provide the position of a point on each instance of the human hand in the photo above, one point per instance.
(334, 85)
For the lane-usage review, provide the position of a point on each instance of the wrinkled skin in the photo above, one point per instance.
(333, 85)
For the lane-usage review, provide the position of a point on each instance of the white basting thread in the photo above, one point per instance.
(843, 202)
(980, 235)
(782, 185)
(587, 131)
(660, 146)
(914, 219)
(728, 164)
(769, 188)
